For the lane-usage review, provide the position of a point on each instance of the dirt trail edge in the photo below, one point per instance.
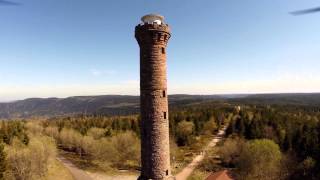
(187, 171)
(77, 173)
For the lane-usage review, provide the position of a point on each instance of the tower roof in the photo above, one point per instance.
(153, 18)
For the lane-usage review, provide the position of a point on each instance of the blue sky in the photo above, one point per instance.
(86, 47)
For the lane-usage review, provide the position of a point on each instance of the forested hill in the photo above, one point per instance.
(122, 105)
(106, 104)
(300, 99)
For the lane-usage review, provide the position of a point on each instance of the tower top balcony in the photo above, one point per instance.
(152, 30)
(152, 22)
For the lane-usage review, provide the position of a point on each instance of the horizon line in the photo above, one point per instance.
(187, 94)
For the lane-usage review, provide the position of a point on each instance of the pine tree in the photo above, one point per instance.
(287, 145)
(2, 161)
(240, 126)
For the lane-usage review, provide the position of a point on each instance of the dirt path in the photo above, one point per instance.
(79, 174)
(187, 171)
(99, 176)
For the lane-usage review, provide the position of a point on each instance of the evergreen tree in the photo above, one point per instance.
(230, 130)
(255, 130)
(287, 145)
(2, 161)
(240, 126)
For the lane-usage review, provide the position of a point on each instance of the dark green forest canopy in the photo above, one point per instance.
(290, 120)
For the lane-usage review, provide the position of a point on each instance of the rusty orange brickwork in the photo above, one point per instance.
(155, 153)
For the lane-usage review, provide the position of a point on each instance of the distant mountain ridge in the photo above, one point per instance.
(104, 104)
(125, 104)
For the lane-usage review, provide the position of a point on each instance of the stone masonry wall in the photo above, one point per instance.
(155, 152)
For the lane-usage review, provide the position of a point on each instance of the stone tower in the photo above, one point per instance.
(152, 36)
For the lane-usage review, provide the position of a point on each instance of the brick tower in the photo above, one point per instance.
(152, 36)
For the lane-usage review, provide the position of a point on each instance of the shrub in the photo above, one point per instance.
(3, 163)
(230, 151)
(210, 127)
(183, 132)
(31, 161)
(259, 159)
(96, 133)
(127, 146)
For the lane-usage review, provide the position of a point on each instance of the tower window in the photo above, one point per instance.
(159, 37)
(167, 172)
(165, 115)
(163, 93)
(163, 50)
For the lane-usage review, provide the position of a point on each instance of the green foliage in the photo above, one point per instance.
(30, 161)
(259, 159)
(127, 146)
(230, 151)
(295, 129)
(210, 162)
(11, 129)
(184, 131)
(83, 124)
(308, 164)
(206, 119)
(3, 163)
(210, 127)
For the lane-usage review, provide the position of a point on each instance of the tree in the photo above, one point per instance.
(52, 132)
(96, 133)
(240, 126)
(259, 159)
(307, 166)
(30, 161)
(210, 126)
(231, 127)
(127, 146)
(255, 129)
(231, 150)
(183, 132)
(3, 165)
